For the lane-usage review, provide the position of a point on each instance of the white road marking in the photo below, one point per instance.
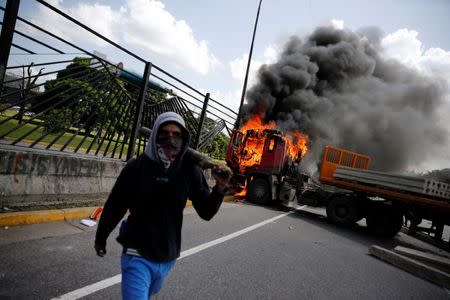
(92, 288)
(228, 237)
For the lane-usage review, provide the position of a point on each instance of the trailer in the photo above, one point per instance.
(350, 191)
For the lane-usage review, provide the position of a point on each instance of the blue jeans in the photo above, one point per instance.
(141, 278)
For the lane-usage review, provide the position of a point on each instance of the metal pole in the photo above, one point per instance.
(202, 119)
(6, 36)
(238, 119)
(139, 107)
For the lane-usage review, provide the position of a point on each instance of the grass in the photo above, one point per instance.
(35, 135)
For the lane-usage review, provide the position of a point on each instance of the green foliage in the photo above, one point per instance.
(217, 149)
(154, 97)
(78, 68)
(81, 96)
(58, 120)
(78, 98)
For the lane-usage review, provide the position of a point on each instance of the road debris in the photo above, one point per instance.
(88, 222)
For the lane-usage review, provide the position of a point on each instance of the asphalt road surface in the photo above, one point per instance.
(245, 252)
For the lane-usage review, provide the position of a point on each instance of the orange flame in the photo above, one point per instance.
(297, 144)
(257, 124)
(242, 193)
(296, 141)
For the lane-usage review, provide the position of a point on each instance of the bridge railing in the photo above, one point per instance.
(56, 95)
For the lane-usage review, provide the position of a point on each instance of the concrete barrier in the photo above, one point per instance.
(33, 178)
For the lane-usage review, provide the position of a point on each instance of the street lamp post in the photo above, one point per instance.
(238, 119)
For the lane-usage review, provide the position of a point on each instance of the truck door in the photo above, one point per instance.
(272, 160)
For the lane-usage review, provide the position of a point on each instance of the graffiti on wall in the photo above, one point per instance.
(33, 164)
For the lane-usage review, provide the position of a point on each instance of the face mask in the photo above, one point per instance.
(168, 147)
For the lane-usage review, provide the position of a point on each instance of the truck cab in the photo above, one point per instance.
(260, 163)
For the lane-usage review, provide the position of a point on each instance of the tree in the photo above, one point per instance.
(74, 98)
(217, 149)
(26, 85)
(86, 97)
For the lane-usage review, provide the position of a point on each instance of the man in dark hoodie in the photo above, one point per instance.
(154, 188)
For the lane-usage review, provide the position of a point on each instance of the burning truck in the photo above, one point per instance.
(265, 162)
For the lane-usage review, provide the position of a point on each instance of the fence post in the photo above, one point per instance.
(139, 107)
(202, 119)
(6, 36)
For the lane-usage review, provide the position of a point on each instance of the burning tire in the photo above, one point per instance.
(384, 221)
(342, 210)
(258, 191)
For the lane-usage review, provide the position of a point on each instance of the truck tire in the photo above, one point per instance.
(258, 191)
(343, 210)
(385, 221)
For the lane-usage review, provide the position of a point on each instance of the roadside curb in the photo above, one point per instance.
(42, 216)
(53, 215)
(412, 266)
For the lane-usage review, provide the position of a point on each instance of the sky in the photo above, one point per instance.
(206, 43)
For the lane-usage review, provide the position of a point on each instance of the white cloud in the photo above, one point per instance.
(142, 23)
(86, 14)
(230, 99)
(270, 54)
(436, 60)
(405, 46)
(238, 66)
(338, 24)
(335, 23)
(152, 27)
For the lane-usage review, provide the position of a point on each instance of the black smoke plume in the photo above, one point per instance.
(336, 87)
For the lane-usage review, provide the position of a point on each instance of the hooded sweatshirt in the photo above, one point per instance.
(167, 117)
(155, 198)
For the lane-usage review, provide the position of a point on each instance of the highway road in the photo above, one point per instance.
(245, 252)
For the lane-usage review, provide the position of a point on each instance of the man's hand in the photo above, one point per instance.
(101, 250)
(222, 175)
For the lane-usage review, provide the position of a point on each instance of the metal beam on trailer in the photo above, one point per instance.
(393, 181)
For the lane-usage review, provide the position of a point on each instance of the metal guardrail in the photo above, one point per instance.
(66, 98)
(396, 182)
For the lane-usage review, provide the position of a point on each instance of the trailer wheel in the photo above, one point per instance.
(258, 191)
(384, 221)
(342, 210)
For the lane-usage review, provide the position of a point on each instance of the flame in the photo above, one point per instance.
(252, 153)
(257, 124)
(242, 193)
(297, 144)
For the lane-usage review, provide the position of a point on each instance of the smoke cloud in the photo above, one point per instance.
(336, 87)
